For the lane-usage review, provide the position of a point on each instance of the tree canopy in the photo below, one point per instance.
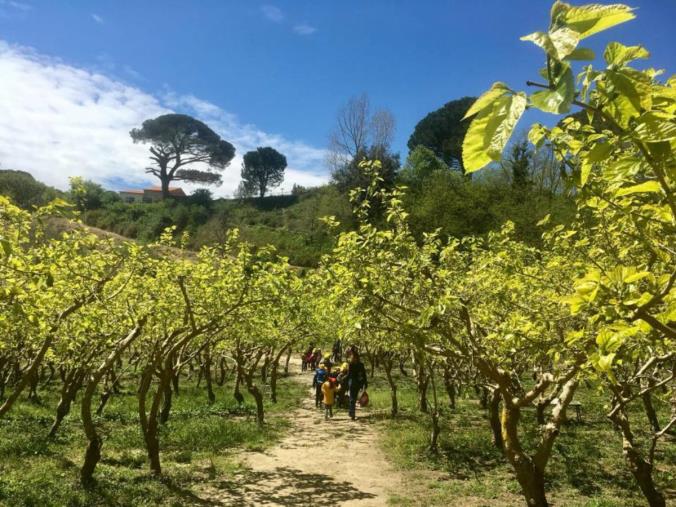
(262, 169)
(179, 141)
(443, 130)
(349, 176)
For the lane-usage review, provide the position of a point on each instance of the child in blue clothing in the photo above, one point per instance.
(320, 377)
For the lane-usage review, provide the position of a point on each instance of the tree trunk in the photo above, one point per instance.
(372, 362)
(402, 368)
(93, 452)
(540, 408)
(436, 429)
(394, 409)
(33, 387)
(273, 381)
(164, 181)
(286, 363)
(422, 382)
(150, 420)
(236, 391)
(494, 419)
(68, 391)
(175, 382)
(275, 368)
(258, 398)
(264, 369)
(222, 371)
(207, 376)
(449, 385)
(640, 468)
(483, 397)
(26, 377)
(530, 478)
(650, 411)
(104, 401)
(166, 404)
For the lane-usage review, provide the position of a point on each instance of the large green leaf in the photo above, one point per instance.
(641, 188)
(6, 246)
(581, 54)
(490, 130)
(589, 19)
(486, 99)
(558, 43)
(619, 54)
(628, 96)
(655, 127)
(560, 98)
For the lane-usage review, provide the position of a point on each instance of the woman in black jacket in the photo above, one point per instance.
(356, 381)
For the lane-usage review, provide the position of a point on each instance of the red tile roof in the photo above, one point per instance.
(177, 192)
(173, 191)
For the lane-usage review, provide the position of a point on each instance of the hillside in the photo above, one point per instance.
(442, 200)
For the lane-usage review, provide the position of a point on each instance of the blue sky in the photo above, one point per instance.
(284, 68)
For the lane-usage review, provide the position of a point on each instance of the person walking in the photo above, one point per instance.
(356, 381)
(329, 390)
(320, 377)
(337, 351)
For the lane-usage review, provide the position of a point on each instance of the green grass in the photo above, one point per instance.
(197, 445)
(586, 468)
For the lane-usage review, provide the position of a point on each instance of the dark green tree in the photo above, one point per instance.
(350, 176)
(88, 195)
(24, 190)
(421, 163)
(202, 197)
(519, 162)
(443, 131)
(180, 141)
(263, 169)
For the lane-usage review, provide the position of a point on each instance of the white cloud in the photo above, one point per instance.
(304, 29)
(21, 6)
(57, 121)
(97, 18)
(273, 13)
(12, 8)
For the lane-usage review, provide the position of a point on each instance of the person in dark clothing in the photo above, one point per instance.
(356, 381)
(337, 351)
(305, 359)
(341, 378)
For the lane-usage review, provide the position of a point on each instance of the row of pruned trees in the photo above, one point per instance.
(90, 315)
(527, 325)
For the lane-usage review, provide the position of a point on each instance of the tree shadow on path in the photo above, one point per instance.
(285, 486)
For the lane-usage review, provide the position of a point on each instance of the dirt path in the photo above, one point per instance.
(334, 463)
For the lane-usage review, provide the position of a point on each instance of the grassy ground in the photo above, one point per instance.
(586, 469)
(197, 444)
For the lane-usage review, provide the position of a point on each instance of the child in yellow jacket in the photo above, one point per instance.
(329, 389)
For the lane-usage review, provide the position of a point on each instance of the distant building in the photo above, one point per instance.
(152, 194)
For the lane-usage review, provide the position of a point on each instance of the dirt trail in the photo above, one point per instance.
(318, 463)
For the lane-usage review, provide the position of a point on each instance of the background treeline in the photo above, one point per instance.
(523, 189)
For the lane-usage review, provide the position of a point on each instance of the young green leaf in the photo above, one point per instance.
(560, 98)
(645, 187)
(593, 18)
(486, 100)
(490, 130)
(619, 54)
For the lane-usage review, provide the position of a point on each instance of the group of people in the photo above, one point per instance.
(313, 357)
(335, 384)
